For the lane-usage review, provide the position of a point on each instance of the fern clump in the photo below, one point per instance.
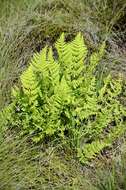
(61, 98)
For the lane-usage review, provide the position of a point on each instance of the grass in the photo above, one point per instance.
(29, 166)
(112, 176)
(25, 27)
(24, 165)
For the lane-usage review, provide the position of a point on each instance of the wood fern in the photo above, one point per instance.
(60, 98)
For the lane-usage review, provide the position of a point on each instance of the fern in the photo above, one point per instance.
(60, 98)
(30, 84)
(90, 151)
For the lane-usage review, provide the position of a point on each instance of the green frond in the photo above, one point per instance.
(79, 49)
(90, 151)
(104, 88)
(62, 49)
(53, 67)
(116, 132)
(50, 56)
(60, 45)
(63, 90)
(78, 53)
(64, 53)
(39, 62)
(35, 60)
(30, 84)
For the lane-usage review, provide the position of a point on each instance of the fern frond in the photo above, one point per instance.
(63, 50)
(90, 151)
(79, 49)
(116, 132)
(79, 53)
(53, 67)
(39, 62)
(30, 84)
(64, 53)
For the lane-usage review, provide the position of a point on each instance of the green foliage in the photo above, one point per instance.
(61, 98)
